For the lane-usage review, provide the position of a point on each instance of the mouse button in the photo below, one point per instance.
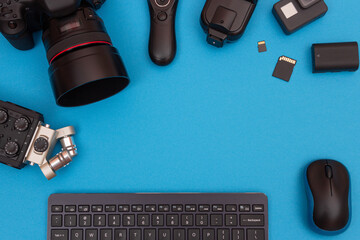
(328, 171)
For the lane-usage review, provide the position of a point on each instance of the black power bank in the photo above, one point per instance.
(294, 14)
(335, 57)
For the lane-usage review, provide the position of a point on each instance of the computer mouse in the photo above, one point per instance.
(328, 192)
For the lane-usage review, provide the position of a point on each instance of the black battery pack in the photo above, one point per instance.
(335, 57)
(295, 14)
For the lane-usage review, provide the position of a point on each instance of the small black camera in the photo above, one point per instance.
(84, 66)
(295, 14)
(24, 139)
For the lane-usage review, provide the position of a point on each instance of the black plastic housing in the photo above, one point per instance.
(335, 57)
(301, 13)
(226, 20)
(8, 133)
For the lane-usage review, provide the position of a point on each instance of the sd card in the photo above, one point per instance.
(284, 68)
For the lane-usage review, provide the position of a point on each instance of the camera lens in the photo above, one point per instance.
(84, 66)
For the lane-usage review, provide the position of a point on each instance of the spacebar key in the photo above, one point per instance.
(252, 220)
(59, 235)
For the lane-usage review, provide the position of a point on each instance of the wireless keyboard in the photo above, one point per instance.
(216, 216)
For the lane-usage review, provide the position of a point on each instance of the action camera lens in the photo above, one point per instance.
(84, 66)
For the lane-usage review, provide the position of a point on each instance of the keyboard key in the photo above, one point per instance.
(137, 208)
(208, 234)
(149, 234)
(105, 234)
(91, 234)
(172, 220)
(177, 208)
(190, 208)
(110, 208)
(70, 208)
(218, 208)
(201, 220)
(204, 208)
(238, 234)
(70, 220)
(129, 220)
(143, 220)
(223, 234)
(76, 234)
(120, 234)
(56, 208)
(59, 234)
(84, 208)
(252, 220)
(244, 208)
(164, 234)
(56, 220)
(194, 234)
(150, 208)
(230, 208)
(135, 234)
(255, 234)
(114, 220)
(157, 220)
(187, 220)
(216, 220)
(164, 208)
(96, 208)
(231, 220)
(179, 234)
(258, 208)
(99, 220)
(124, 208)
(85, 220)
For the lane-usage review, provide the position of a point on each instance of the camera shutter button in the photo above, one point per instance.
(3, 116)
(11, 148)
(41, 144)
(22, 124)
(162, 16)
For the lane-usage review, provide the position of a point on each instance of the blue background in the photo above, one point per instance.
(215, 120)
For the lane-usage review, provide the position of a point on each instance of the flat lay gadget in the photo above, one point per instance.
(158, 216)
(85, 67)
(295, 14)
(25, 139)
(328, 192)
(162, 42)
(224, 20)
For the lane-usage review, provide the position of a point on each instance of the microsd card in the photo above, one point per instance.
(262, 46)
(284, 68)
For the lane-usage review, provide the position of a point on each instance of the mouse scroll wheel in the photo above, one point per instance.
(328, 172)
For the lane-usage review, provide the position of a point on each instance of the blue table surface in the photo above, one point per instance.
(215, 120)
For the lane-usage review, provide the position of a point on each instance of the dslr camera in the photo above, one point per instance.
(84, 66)
(24, 139)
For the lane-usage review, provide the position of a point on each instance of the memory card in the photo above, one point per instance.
(262, 46)
(284, 68)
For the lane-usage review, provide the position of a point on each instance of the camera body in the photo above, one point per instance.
(24, 139)
(19, 18)
(295, 14)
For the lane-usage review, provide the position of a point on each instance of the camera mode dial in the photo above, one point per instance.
(22, 124)
(11, 148)
(3, 116)
(41, 144)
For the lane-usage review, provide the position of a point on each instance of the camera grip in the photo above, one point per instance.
(162, 42)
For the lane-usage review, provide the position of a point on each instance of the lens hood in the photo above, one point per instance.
(87, 75)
